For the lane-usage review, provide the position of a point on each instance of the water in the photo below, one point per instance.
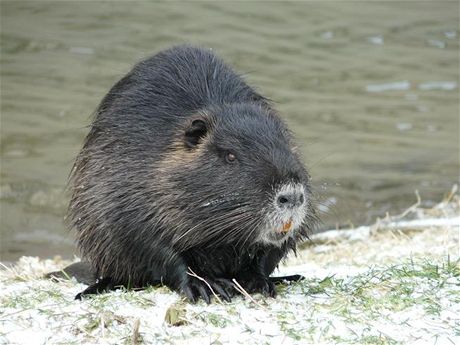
(370, 90)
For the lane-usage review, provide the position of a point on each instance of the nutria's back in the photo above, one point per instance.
(187, 167)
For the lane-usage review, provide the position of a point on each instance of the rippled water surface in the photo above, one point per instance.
(370, 90)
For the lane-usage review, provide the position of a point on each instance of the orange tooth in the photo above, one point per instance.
(287, 225)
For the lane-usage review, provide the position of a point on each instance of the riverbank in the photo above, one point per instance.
(397, 281)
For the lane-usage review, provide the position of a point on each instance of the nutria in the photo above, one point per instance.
(187, 169)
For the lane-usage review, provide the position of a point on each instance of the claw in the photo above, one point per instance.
(195, 288)
(271, 289)
(218, 289)
(265, 289)
(204, 293)
(187, 290)
(227, 285)
(263, 285)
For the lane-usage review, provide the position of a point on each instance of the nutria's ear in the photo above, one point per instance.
(195, 132)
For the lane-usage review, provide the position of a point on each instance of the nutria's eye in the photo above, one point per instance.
(230, 157)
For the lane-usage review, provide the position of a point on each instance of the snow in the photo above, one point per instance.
(353, 293)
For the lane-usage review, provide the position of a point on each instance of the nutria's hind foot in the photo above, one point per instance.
(81, 271)
(100, 286)
(287, 279)
(196, 288)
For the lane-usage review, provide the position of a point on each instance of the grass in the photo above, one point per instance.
(335, 309)
(394, 288)
(410, 292)
(332, 309)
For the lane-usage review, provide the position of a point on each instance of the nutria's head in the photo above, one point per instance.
(232, 176)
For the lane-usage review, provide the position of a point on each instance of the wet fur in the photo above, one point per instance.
(148, 204)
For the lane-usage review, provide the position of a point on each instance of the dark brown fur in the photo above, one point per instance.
(155, 192)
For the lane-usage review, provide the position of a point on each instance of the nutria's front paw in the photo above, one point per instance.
(258, 284)
(196, 288)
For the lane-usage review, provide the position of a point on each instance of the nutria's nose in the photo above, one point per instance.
(290, 197)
